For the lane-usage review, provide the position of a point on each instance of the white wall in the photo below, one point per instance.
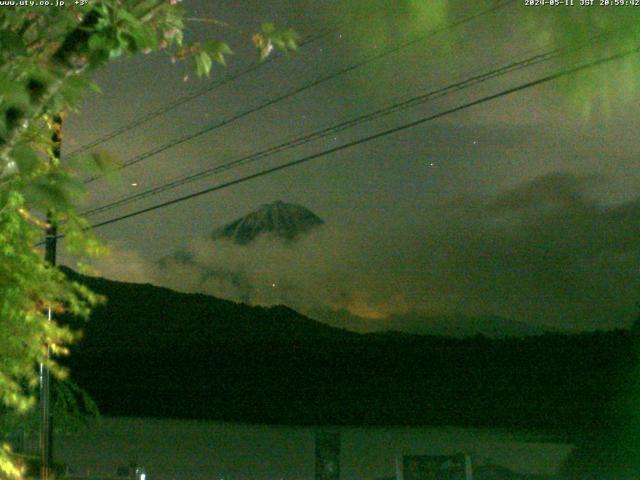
(177, 449)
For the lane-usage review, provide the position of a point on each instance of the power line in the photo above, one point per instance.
(333, 129)
(189, 97)
(312, 84)
(375, 136)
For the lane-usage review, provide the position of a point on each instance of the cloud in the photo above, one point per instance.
(545, 251)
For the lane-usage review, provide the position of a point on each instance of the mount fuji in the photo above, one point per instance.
(286, 221)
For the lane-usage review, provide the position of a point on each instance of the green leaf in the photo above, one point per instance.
(13, 43)
(124, 40)
(127, 17)
(144, 36)
(44, 194)
(268, 28)
(54, 191)
(203, 63)
(14, 94)
(99, 41)
(26, 159)
(94, 163)
(74, 89)
(285, 39)
(144, 6)
(270, 37)
(217, 50)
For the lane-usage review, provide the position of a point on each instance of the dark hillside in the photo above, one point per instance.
(152, 351)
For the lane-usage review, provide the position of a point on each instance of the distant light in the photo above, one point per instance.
(134, 184)
(273, 285)
(140, 474)
(432, 164)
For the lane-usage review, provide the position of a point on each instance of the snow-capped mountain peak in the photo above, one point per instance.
(286, 221)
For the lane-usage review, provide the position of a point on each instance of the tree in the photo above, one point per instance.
(47, 57)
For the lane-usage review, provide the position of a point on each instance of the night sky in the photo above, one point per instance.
(526, 206)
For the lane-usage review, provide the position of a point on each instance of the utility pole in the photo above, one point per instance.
(46, 417)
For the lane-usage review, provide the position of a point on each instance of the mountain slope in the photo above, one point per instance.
(156, 318)
(154, 352)
(285, 221)
(455, 326)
